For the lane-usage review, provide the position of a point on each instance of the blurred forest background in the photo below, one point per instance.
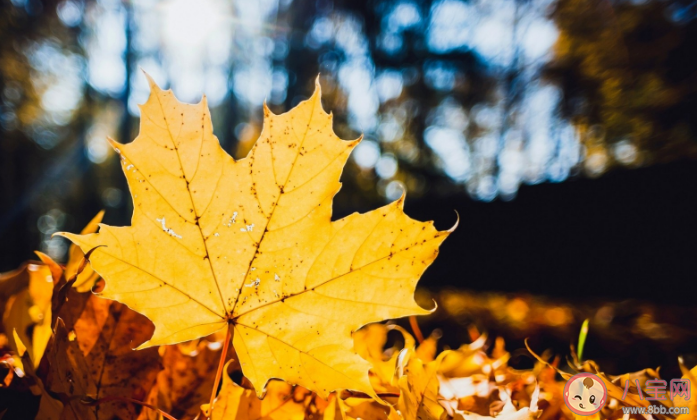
(562, 131)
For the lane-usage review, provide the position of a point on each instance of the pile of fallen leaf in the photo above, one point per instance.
(85, 368)
(233, 295)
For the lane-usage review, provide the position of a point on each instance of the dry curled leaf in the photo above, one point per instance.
(250, 244)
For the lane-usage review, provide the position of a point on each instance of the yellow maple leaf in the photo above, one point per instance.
(250, 243)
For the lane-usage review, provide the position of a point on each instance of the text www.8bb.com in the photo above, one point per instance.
(656, 409)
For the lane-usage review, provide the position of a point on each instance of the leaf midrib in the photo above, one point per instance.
(191, 199)
(273, 209)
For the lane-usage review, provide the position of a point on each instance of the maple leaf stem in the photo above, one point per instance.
(417, 331)
(221, 364)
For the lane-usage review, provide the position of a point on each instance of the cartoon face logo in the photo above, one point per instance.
(585, 394)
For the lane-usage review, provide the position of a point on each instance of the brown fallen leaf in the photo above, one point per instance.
(69, 375)
(107, 332)
(249, 245)
(185, 381)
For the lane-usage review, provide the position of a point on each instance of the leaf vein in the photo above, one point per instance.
(163, 281)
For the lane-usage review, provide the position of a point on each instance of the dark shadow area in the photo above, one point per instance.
(627, 234)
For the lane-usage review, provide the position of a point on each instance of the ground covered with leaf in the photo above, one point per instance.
(234, 295)
(85, 368)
